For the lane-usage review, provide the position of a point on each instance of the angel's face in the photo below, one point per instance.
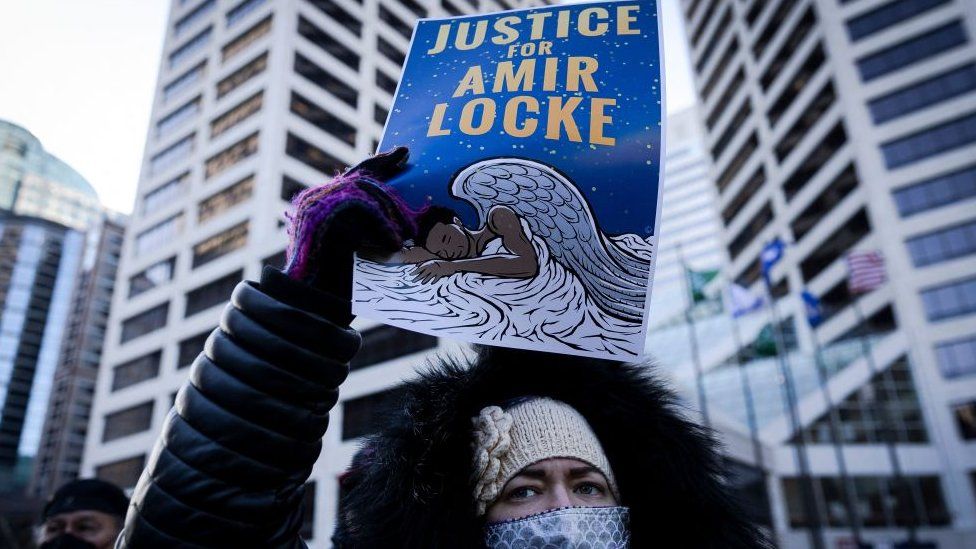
(449, 241)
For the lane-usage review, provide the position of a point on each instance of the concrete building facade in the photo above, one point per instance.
(839, 126)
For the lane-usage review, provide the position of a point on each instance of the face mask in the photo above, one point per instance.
(574, 527)
(66, 541)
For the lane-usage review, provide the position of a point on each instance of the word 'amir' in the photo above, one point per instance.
(589, 22)
(478, 116)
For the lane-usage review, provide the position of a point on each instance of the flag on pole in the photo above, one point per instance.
(813, 308)
(770, 256)
(765, 344)
(697, 281)
(742, 301)
(865, 271)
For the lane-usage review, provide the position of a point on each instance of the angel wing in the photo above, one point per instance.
(615, 276)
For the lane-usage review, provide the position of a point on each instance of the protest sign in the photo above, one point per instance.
(536, 143)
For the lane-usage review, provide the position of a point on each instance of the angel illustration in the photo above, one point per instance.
(522, 205)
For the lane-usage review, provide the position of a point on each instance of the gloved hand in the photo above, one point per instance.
(355, 212)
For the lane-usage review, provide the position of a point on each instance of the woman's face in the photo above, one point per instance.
(551, 484)
(449, 241)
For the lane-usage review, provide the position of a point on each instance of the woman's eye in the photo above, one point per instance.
(589, 489)
(522, 493)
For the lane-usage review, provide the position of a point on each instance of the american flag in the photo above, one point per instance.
(865, 271)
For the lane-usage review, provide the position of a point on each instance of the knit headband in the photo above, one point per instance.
(507, 441)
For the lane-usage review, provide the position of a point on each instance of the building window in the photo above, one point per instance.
(702, 23)
(939, 191)
(832, 142)
(136, 370)
(325, 80)
(128, 421)
(930, 141)
(198, 14)
(232, 155)
(178, 117)
(942, 245)
(290, 187)
(912, 50)
(380, 114)
(144, 322)
(211, 294)
(123, 473)
(218, 203)
(748, 233)
(419, 10)
(733, 87)
(732, 128)
(918, 96)
(236, 115)
(184, 82)
(165, 193)
(739, 160)
(395, 22)
(328, 43)
(192, 46)
(817, 108)
(950, 300)
(276, 260)
(385, 82)
(323, 120)
(158, 235)
(389, 51)
(720, 33)
(242, 75)
(966, 419)
(152, 277)
(719, 69)
(836, 245)
(309, 154)
(245, 39)
(240, 11)
(191, 347)
(795, 37)
(798, 83)
(220, 244)
(171, 156)
(749, 190)
(773, 25)
(887, 15)
(384, 343)
(307, 530)
(339, 15)
(364, 415)
(957, 358)
(831, 196)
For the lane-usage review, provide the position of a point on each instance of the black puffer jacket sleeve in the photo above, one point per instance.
(229, 467)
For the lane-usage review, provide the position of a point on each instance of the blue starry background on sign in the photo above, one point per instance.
(619, 181)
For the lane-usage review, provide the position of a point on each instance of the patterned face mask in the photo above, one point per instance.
(571, 528)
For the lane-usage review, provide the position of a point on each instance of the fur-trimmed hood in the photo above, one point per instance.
(410, 485)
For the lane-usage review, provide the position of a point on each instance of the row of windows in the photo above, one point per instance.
(942, 245)
(211, 294)
(172, 155)
(823, 205)
(384, 343)
(246, 38)
(750, 188)
(145, 322)
(966, 419)
(329, 43)
(814, 112)
(773, 25)
(236, 114)
(930, 141)
(312, 156)
(798, 83)
(385, 82)
(719, 69)
(153, 276)
(823, 152)
(389, 51)
(326, 80)
(195, 16)
(405, 30)
(748, 233)
(191, 47)
(158, 235)
(339, 15)
(738, 161)
(720, 32)
(733, 87)
(244, 74)
(184, 81)
(940, 190)
(957, 358)
(732, 128)
(936, 89)
(223, 200)
(836, 245)
(911, 51)
(795, 37)
(220, 244)
(123, 473)
(165, 193)
(888, 15)
(178, 117)
(950, 300)
(703, 23)
(136, 370)
(239, 12)
(323, 120)
(230, 156)
(191, 347)
(129, 421)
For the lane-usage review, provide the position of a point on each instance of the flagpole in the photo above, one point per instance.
(811, 508)
(850, 491)
(888, 429)
(693, 341)
(747, 395)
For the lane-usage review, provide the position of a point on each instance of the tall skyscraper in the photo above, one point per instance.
(839, 126)
(255, 99)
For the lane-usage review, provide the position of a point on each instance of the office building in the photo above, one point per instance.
(839, 126)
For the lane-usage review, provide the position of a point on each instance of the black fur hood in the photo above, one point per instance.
(410, 485)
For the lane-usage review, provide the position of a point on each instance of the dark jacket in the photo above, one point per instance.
(229, 467)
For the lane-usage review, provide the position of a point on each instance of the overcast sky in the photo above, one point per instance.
(80, 75)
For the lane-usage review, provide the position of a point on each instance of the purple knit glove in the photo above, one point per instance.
(355, 212)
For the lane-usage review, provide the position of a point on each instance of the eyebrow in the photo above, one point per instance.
(575, 472)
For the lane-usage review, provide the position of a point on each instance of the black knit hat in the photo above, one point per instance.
(89, 494)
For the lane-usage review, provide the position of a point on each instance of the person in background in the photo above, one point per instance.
(83, 514)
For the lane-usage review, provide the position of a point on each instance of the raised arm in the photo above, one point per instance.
(229, 467)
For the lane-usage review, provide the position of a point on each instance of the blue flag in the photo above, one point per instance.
(771, 255)
(813, 308)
